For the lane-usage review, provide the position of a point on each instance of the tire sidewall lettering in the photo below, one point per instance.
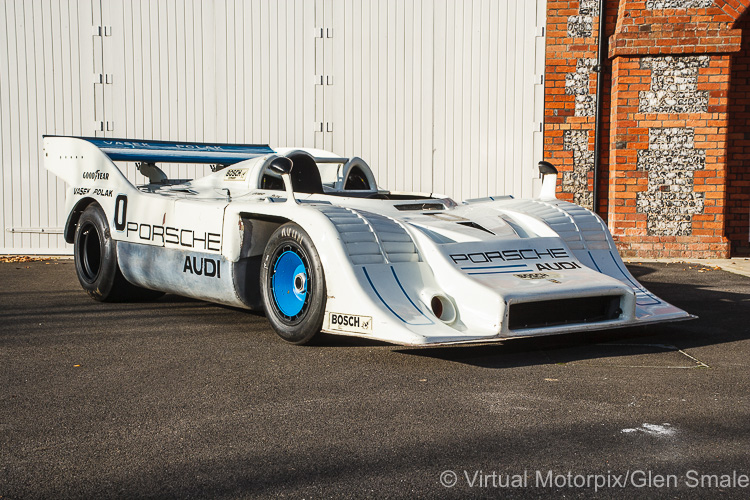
(310, 321)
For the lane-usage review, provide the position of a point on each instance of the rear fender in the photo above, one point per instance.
(91, 177)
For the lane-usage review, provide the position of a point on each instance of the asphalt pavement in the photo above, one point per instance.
(186, 399)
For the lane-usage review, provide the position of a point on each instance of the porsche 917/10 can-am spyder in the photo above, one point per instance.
(309, 237)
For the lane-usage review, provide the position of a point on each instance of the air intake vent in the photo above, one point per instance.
(475, 226)
(563, 312)
(420, 206)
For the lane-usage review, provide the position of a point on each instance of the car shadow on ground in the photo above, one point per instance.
(716, 297)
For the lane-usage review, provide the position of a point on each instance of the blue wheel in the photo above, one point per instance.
(293, 285)
(289, 284)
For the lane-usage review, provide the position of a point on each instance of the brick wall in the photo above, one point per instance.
(665, 160)
(667, 184)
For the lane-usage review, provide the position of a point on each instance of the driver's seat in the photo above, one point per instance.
(305, 174)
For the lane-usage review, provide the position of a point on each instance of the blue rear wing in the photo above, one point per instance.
(176, 152)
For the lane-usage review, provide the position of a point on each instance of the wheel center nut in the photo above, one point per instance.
(299, 282)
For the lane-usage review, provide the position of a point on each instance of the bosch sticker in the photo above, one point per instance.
(551, 277)
(349, 323)
(235, 174)
(532, 276)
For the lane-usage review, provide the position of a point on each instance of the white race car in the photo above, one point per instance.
(308, 236)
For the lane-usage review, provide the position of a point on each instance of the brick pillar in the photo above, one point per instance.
(668, 150)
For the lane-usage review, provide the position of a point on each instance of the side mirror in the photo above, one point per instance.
(548, 172)
(546, 167)
(281, 165)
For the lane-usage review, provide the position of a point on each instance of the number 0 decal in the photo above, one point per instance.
(121, 212)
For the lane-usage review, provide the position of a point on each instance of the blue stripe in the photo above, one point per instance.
(381, 298)
(594, 261)
(501, 272)
(409, 298)
(635, 286)
(493, 267)
(177, 152)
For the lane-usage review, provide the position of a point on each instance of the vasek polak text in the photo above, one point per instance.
(148, 145)
(81, 191)
(525, 254)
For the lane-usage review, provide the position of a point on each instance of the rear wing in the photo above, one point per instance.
(174, 152)
(87, 165)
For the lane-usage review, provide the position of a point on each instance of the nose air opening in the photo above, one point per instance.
(443, 308)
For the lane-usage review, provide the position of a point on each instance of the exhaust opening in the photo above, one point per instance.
(442, 307)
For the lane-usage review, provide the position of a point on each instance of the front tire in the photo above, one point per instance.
(293, 285)
(95, 255)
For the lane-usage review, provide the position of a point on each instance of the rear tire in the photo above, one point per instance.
(96, 261)
(293, 285)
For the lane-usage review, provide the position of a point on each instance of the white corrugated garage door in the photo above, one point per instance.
(437, 95)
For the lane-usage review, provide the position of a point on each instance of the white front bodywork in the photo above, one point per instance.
(384, 260)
